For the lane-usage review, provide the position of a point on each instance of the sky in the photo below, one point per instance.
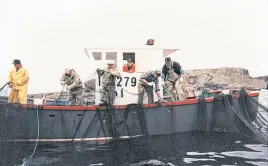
(49, 36)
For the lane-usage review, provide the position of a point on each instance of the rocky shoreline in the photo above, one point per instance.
(265, 78)
(222, 78)
(200, 79)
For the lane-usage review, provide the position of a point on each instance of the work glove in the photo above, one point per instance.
(112, 72)
(62, 83)
(150, 83)
(181, 79)
(68, 88)
(164, 85)
(10, 84)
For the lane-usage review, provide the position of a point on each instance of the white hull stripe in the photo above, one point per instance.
(100, 139)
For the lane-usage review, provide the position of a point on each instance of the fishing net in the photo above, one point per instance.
(244, 115)
(3, 93)
(107, 122)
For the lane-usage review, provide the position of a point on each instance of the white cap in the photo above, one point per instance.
(68, 70)
(111, 62)
(158, 72)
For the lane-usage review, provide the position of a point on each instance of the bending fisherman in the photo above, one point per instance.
(172, 74)
(18, 79)
(146, 82)
(74, 85)
(108, 83)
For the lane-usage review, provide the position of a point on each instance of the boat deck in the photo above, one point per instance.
(122, 107)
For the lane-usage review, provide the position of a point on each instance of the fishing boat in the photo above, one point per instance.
(53, 122)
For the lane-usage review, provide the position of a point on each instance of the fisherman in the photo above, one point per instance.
(172, 74)
(18, 79)
(129, 67)
(146, 82)
(267, 83)
(108, 83)
(71, 80)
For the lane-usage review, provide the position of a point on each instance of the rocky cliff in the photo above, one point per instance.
(219, 78)
(222, 78)
(265, 78)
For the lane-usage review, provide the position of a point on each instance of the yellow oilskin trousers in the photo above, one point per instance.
(19, 85)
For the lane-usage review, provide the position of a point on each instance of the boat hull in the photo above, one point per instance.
(81, 123)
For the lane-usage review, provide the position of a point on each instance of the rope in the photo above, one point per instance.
(4, 93)
(142, 93)
(131, 92)
(137, 94)
(60, 93)
(78, 126)
(38, 133)
(262, 136)
(92, 75)
(259, 104)
(3, 87)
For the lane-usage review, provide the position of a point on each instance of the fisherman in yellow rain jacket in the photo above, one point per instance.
(18, 79)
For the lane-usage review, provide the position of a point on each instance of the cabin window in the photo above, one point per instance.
(111, 56)
(129, 55)
(97, 55)
(129, 65)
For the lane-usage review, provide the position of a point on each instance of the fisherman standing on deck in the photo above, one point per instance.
(172, 74)
(18, 79)
(71, 80)
(108, 83)
(146, 82)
